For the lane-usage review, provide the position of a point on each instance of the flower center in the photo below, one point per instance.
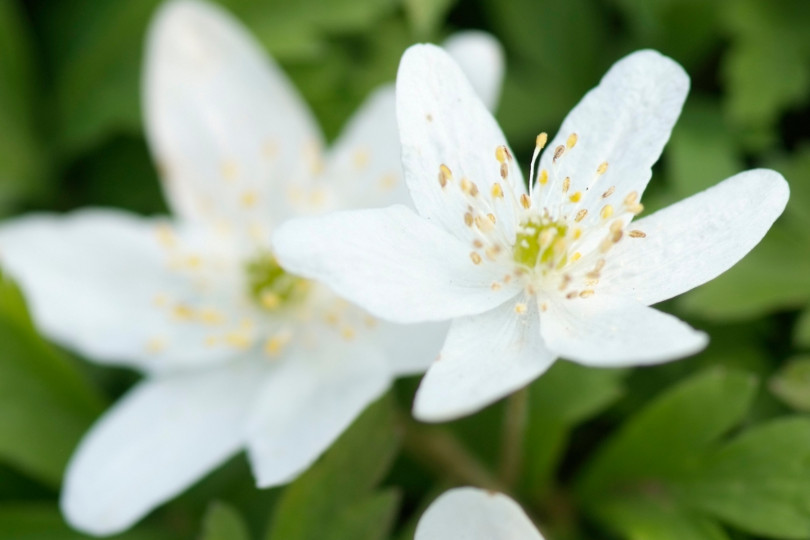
(270, 286)
(541, 242)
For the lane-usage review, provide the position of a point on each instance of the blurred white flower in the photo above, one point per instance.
(561, 270)
(475, 514)
(238, 353)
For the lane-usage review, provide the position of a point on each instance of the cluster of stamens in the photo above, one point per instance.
(560, 246)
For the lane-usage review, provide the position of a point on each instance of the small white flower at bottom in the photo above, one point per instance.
(475, 514)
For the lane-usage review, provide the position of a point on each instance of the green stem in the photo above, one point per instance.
(438, 450)
(514, 430)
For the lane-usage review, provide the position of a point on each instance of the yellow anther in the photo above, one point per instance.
(631, 198)
(521, 308)
(635, 209)
(564, 282)
(445, 175)
(249, 199)
(543, 178)
(541, 140)
(609, 192)
(360, 158)
(182, 312)
(475, 257)
(478, 244)
(484, 225)
(468, 219)
(501, 153)
(581, 215)
(603, 167)
(572, 140)
(558, 152)
(577, 233)
(270, 300)
(230, 170)
(347, 333)
(495, 286)
(606, 212)
(616, 226)
(576, 256)
(504, 170)
(155, 345)
(637, 234)
(473, 189)
(491, 217)
(492, 252)
(525, 201)
(211, 316)
(566, 184)
(496, 191)
(616, 236)
(586, 293)
(576, 197)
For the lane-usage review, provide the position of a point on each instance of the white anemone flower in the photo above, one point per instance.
(561, 269)
(475, 514)
(238, 354)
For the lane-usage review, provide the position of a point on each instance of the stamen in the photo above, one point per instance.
(558, 152)
(606, 212)
(445, 175)
(586, 293)
(637, 234)
(475, 257)
(572, 140)
(603, 167)
(468, 219)
(521, 308)
(609, 192)
(581, 215)
(497, 191)
(566, 184)
(525, 201)
(575, 197)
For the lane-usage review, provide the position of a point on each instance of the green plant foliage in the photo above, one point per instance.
(222, 522)
(667, 467)
(337, 494)
(45, 403)
(791, 383)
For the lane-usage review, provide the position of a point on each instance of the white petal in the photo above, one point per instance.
(308, 403)
(410, 348)
(608, 331)
(480, 57)
(625, 121)
(229, 132)
(364, 167)
(697, 239)
(485, 358)
(100, 282)
(160, 438)
(443, 122)
(475, 514)
(392, 263)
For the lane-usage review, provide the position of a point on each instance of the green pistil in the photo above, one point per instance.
(270, 286)
(537, 243)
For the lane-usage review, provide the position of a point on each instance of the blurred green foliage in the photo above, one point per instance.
(710, 448)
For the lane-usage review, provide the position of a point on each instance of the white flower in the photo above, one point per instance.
(475, 514)
(238, 353)
(527, 277)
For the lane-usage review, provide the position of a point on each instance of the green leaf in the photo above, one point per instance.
(759, 482)
(664, 439)
(369, 519)
(565, 396)
(345, 476)
(23, 162)
(653, 518)
(35, 521)
(223, 522)
(791, 383)
(801, 334)
(426, 15)
(45, 404)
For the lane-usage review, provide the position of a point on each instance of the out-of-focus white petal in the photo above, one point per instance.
(608, 331)
(625, 121)
(392, 263)
(410, 348)
(232, 137)
(443, 122)
(480, 56)
(308, 403)
(163, 436)
(364, 166)
(120, 288)
(697, 239)
(485, 358)
(475, 514)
